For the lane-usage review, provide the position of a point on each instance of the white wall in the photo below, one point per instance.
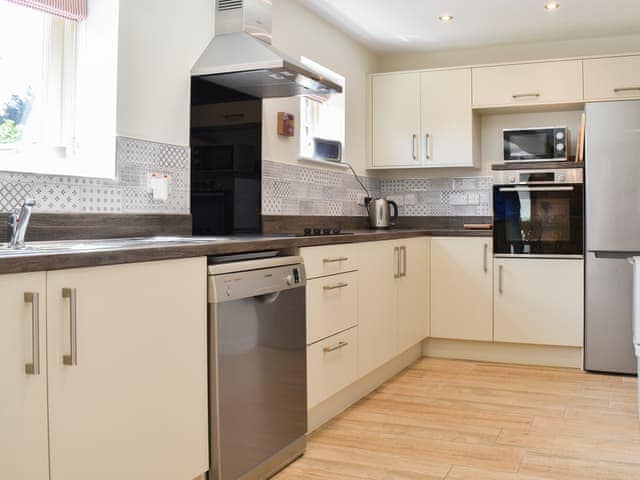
(510, 53)
(299, 32)
(159, 41)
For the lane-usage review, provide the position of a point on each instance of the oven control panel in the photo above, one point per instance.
(532, 177)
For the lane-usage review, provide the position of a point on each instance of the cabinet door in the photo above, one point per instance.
(378, 327)
(135, 404)
(447, 119)
(539, 301)
(413, 292)
(396, 120)
(24, 453)
(461, 288)
(615, 78)
(528, 84)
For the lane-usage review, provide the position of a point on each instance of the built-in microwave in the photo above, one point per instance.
(538, 212)
(535, 144)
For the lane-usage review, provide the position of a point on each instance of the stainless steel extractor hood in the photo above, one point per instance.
(241, 57)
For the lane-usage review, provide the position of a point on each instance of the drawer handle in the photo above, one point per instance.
(525, 95)
(335, 286)
(626, 89)
(33, 368)
(335, 347)
(72, 295)
(335, 260)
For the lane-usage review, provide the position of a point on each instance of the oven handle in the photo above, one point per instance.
(537, 189)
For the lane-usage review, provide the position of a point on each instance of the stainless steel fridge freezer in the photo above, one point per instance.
(612, 186)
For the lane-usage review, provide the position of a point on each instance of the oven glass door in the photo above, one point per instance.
(522, 145)
(542, 219)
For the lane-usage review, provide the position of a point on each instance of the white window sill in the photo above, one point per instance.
(323, 162)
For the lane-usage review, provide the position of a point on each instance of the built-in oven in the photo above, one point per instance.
(538, 212)
(535, 144)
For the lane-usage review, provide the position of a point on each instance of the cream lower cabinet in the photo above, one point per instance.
(24, 453)
(539, 301)
(127, 371)
(461, 288)
(122, 384)
(392, 299)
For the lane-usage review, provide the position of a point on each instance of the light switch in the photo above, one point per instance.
(473, 199)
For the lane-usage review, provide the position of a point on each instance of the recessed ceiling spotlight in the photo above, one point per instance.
(445, 18)
(552, 5)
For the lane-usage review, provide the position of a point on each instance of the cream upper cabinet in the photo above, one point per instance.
(413, 289)
(377, 299)
(24, 453)
(447, 123)
(528, 84)
(396, 120)
(615, 78)
(539, 301)
(461, 288)
(127, 371)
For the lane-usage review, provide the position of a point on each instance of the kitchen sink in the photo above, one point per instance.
(66, 246)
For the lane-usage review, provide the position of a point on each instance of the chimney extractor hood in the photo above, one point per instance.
(240, 56)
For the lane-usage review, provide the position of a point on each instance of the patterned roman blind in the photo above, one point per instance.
(69, 9)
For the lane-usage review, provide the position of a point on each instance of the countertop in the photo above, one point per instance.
(31, 262)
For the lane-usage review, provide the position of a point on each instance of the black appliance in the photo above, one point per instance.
(538, 212)
(535, 144)
(226, 166)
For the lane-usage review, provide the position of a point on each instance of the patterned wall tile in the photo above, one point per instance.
(125, 194)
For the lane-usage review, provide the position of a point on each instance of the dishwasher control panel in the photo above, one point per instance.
(255, 283)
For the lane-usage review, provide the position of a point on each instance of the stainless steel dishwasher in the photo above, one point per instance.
(257, 367)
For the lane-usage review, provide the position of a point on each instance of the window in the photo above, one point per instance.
(322, 116)
(37, 82)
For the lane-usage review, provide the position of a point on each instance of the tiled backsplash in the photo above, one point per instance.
(301, 190)
(126, 194)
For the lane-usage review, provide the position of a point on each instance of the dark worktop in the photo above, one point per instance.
(225, 246)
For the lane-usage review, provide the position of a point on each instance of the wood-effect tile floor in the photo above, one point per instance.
(461, 420)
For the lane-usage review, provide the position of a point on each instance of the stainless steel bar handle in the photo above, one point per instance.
(72, 295)
(427, 145)
(403, 252)
(486, 250)
(413, 146)
(500, 268)
(396, 253)
(567, 188)
(335, 286)
(33, 368)
(525, 95)
(626, 89)
(335, 347)
(335, 260)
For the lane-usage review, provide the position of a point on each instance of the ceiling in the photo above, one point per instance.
(394, 26)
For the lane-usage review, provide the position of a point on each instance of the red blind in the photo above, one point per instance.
(69, 9)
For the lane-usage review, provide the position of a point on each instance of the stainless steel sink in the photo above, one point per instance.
(66, 246)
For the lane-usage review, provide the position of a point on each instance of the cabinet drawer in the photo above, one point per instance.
(612, 78)
(332, 364)
(332, 305)
(528, 84)
(329, 260)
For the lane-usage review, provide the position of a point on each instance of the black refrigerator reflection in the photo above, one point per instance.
(226, 137)
(538, 220)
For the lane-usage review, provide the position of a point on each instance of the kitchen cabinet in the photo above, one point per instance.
(332, 305)
(24, 453)
(332, 365)
(447, 120)
(539, 301)
(396, 120)
(127, 371)
(528, 84)
(413, 292)
(329, 259)
(461, 288)
(423, 120)
(392, 310)
(615, 78)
